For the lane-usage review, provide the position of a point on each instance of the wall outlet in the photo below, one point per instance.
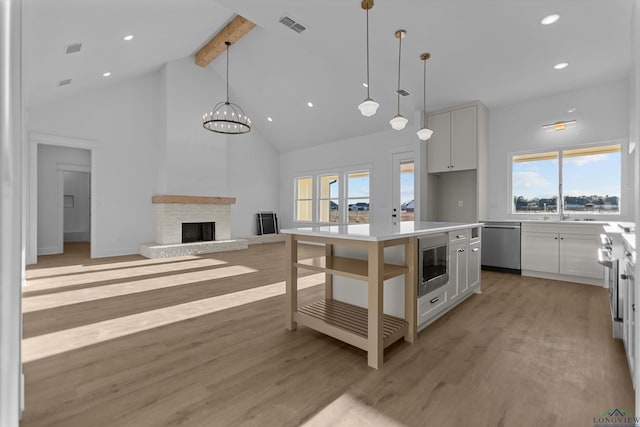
(459, 203)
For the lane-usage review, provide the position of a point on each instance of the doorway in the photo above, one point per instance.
(62, 196)
(75, 198)
(404, 180)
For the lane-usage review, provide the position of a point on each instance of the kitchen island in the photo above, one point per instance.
(368, 328)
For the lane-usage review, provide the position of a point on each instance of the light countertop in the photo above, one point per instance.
(380, 231)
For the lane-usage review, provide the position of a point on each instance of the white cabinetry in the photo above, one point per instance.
(475, 255)
(464, 276)
(458, 264)
(540, 252)
(454, 143)
(454, 170)
(564, 251)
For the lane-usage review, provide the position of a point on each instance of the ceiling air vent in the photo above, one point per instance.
(64, 82)
(402, 92)
(291, 23)
(72, 48)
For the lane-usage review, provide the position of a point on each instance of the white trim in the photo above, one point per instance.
(61, 141)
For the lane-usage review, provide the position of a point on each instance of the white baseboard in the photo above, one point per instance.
(49, 251)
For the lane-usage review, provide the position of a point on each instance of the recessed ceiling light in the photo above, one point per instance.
(365, 84)
(128, 37)
(561, 65)
(310, 104)
(571, 110)
(550, 19)
(270, 119)
(107, 74)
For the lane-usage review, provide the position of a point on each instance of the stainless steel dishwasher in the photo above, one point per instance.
(501, 246)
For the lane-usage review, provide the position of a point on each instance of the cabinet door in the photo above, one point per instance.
(540, 252)
(474, 264)
(439, 146)
(464, 137)
(578, 255)
(458, 281)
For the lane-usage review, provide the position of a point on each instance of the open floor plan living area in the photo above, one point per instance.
(397, 213)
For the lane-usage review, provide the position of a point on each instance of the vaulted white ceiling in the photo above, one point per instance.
(495, 51)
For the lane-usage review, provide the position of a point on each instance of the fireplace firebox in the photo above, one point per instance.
(198, 232)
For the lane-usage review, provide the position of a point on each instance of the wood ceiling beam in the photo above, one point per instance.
(232, 32)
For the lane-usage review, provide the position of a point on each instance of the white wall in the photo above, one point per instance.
(123, 119)
(11, 211)
(150, 140)
(253, 177)
(203, 163)
(196, 159)
(602, 114)
(375, 150)
(49, 221)
(634, 138)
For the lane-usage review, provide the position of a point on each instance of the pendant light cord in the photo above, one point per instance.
(399, 56)
(368, 54)
(424, 94)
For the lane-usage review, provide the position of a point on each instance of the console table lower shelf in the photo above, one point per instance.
(348, 322)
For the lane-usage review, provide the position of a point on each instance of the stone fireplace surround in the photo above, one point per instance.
(169, 212)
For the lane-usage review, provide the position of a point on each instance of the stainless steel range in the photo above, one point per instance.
(609, 256)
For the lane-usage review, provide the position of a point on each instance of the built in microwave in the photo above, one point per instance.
(433, 263)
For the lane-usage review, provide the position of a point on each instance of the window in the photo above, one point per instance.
(329, 198)
(586, 180)
(304, 199)
(358, 197)
(337, 197)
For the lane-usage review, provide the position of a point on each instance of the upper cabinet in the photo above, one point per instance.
(454, 144)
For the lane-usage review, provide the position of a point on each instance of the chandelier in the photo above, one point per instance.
(226, 116)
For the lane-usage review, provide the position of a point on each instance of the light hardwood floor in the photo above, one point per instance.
(200, 341)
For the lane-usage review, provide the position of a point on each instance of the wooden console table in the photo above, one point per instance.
(366, 328)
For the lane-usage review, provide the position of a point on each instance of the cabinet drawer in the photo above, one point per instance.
(430, 304)
(459, 236)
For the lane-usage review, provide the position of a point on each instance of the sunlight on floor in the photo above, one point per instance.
(97, 264)
(116, 271)
(42, 302)
(348, 411)
(72, 339)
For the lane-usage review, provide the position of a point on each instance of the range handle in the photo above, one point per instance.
(605, 258)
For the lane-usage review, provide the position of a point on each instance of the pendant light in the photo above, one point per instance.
(226, 116)
(425, 133)
(368, 107)
(399, 122)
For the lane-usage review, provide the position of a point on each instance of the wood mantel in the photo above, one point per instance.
(201, 200)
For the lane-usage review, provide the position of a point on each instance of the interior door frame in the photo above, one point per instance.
(61, 141)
